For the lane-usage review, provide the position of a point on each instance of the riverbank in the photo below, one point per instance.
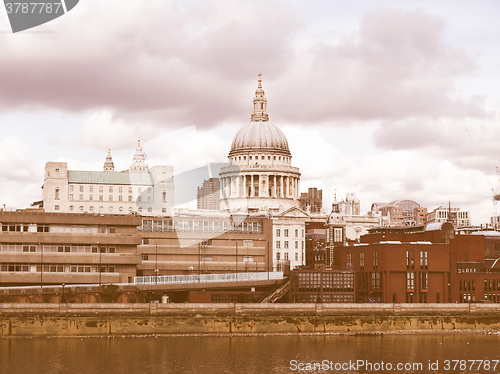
(17, 320)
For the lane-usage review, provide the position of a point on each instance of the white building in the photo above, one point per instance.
(262, 180)
(147, 191)
(454, 215)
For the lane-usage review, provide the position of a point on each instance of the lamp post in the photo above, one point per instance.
(41, 266)
(156, 264)
(63, 299)
(100, 261)
(236, 260)
(199, 261)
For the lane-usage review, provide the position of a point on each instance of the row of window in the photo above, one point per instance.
(57, 268)
(285, 233)
(33, 227)
(410, 259)
(262, 157)
(24, 227)
(286, 245)
(411, 279)
(111, 198)
(200, 226)
(111, 208)
(286, 256)
(60, 248)
(110, 189)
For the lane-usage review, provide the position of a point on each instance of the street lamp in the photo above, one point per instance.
(41, 266)
(156, 265)
(63, 299)
(236, 250)
(199, 261)
(100, 261)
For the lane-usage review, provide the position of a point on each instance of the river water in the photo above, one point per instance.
(253, 354)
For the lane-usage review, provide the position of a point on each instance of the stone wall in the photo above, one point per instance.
(130, 319)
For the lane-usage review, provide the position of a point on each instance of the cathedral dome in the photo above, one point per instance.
(260, 136)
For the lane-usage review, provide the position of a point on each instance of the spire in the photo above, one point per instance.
(108, 164)
(260, 103)
(139, 160)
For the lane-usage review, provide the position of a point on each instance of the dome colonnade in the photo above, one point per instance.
(260, 176)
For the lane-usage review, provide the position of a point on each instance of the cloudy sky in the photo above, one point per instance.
(388, 99)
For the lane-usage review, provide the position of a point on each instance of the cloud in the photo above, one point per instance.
(196, 64)
(175, 66)
(397, 65)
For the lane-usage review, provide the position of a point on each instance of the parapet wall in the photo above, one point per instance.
(131, 319)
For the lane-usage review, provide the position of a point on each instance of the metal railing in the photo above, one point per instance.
(195, 278)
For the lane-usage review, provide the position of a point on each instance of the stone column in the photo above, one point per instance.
(274, 185)
(267, 186)
(252, 189)
(281, 186)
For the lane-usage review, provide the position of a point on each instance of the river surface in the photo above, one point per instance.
(252, 354)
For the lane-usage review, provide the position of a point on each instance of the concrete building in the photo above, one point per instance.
(204, 245)
(208, 196)
(459, 218)
(400, 213)
(39, 248)
(350, 206)
(147, 191)
(312, 200)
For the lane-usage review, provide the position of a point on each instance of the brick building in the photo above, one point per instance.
(428, 264)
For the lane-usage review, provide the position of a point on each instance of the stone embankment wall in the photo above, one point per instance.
(131, 319)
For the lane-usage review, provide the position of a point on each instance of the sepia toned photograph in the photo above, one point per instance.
(249, 186)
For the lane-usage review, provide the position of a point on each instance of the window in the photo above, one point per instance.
(286, 233)
(423, 281)
(91, 197)
(296, 256)
(91, 188)
(81, 188)
(410, 280)
(101, 189)
(278, 256)
(278, 232)
(337, 235)
(376, 281)
(71, 196)
(81, 196)
(286, 256)
(130, 190)
(296, 244)
(375, 259)
(286, 243)
(296, 232)
(120, 198)
(423, 260)
(410, 259)
(110, 197)
(278, 244)
(362, 259)
(120, 189)
(110, 188)
(101, 198)
(70, 188)
(56, 207)
(57, 194)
